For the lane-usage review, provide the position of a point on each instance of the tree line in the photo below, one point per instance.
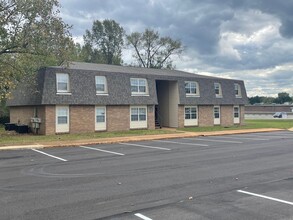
(283, 97)
(33, 35)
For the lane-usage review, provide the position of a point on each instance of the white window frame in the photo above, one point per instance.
(135, 124)
(236, 119)
(101, 126)
(216, 84)
(62, 127)
(138, 85)
(105, 91)
(237, 88)
(188, 85)
(217, 120)
(59, 79)
(191, 121)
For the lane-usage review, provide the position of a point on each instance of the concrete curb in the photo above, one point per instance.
(135, 138)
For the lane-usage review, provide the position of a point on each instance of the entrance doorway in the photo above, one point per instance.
(166, 112)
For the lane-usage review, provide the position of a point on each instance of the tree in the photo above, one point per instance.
(103, 44)
(283, 97)
(31, 35)
(153, 51)
(255, 99)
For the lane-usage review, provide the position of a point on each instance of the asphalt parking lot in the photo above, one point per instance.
(244, 176)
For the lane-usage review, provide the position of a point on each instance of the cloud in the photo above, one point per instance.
(266, 82)
(249, 38)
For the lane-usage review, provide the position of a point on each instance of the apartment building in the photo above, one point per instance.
(85, 97)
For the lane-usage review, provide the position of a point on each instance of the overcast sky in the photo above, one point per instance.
(250, 40)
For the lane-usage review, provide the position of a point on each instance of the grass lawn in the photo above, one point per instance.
(12, 138)
(249, 124)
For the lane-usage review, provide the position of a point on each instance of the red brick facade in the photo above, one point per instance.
(206, 116)
(227, 115)
(151, 117)
(181, 116)
(118, 118)
(82, 118)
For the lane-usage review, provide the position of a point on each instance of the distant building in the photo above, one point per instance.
(266, 111)
(84, 97)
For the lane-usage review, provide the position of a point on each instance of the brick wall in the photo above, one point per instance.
(268, 108)
(242, 112)
(227, 115)
(151, 117)
(21, 114)
(118, 118)
(41, 115)
(50, 120)
(181, 116)
(205, 115)
(81, 119)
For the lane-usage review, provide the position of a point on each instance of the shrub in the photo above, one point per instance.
(4, 119)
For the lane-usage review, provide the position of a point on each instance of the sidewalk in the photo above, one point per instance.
(135, 138)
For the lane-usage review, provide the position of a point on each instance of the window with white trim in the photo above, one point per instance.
(62, 115)
(191, 88)
(139, 86)
(138, 113)
(101, 85)
(100, 114)
(237, 90)
(236, 112)
(218, 89)
(190, 113)
(216, 112)
(62, 81)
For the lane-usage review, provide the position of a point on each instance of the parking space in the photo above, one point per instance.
(122, 149)
(274, 202)
(244, 176)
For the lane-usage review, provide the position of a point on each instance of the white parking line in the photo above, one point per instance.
(144, 146)
(106, 151)
(267, 136)
(49, 155)
(285, 137)
(237, 138)
(173, 142)
(266, 197)
(214, 140)
(142, 216)
(272, 137)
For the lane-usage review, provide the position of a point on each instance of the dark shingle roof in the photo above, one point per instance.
(130, 70)
(82, 84)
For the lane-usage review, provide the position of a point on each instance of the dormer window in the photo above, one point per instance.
(191, 88)
(62, 81)
(218, 90)
(139, 86)
(101, 85)
(237, 90)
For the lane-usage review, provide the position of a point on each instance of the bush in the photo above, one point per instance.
(4, 119)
